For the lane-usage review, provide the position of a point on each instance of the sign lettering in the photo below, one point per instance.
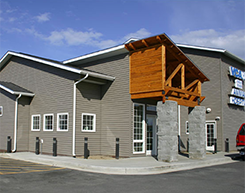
(237, 73)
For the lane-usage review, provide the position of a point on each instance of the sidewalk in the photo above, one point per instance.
(124, 166)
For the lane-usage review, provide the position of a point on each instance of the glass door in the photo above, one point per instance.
(211, 135)
(151, 135)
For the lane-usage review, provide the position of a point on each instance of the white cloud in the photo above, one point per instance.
(43, 17)
(71, 37)
(233, 41)
(142, 33)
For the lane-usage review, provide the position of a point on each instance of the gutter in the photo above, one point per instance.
(16, 123)
(74, 115)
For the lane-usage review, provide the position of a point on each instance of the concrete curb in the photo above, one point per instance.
(109, 168)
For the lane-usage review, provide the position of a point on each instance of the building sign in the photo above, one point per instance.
(238, 83)
(238, 95)
(237, 73)
(237, 101)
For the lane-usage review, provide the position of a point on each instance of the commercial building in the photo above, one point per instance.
(118, 93)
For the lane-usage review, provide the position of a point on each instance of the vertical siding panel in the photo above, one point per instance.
(7, 119)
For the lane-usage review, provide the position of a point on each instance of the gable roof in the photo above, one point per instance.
(15, 89)
(4, 60)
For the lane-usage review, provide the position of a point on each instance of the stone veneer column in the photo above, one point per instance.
(167, 131)
(197, 136)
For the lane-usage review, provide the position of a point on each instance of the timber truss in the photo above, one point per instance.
(161, 71)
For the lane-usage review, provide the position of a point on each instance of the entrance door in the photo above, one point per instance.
(151, 135)
(211, 135)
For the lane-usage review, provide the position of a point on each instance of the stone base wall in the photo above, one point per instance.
(197, 135)
(167, 114)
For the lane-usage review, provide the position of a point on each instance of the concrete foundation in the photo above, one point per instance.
(167, 134)
(197, 136)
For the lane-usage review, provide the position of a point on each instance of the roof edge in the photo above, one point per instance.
(94, 54)
(223, 51)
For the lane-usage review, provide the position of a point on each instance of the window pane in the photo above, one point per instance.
(88, 123)
(63, 122)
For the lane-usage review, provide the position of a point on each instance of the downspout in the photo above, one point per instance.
(74, 115)
(16, 123)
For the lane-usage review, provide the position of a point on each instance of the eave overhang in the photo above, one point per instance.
(4, 60)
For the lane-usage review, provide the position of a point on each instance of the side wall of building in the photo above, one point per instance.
(233, 115)
(116, 105)
(53, 90)
(210, 64)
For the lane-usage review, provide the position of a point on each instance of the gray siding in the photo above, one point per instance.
(23, 124)
(53, 90)
(88, 101)
(210, 64)
(233, 116)
(116, 105)
(7, 119)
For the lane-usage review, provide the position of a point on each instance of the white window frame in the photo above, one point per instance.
(143, 131)
(1, 111)
(32, 122)
(44, 120)
(94, 122)
(58, 122)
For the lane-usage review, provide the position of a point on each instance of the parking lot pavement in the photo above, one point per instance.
(11, 166)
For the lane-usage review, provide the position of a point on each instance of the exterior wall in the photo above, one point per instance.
(233, 115)
(7, 119)
(116, 105)
(210, 64)
(53, 90)
(23, 123)
(88, 101)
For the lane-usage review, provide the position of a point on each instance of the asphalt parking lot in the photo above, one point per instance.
(11, 166)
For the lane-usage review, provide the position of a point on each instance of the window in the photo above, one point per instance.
(139, 128)
(88, 122)
(48, 122)
(35, 122)
(62, 122)
(187, 127)
(1, 111)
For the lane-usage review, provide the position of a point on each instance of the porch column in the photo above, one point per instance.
(167, 114)
(197, 136)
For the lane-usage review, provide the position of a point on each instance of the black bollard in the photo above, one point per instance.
(9, 141)
(54, 147)
(37, 145)
(188, 145)
(227, 145)
(85, 148)
(215, 145)
(117, 148)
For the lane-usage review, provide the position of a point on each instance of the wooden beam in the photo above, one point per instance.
(184, 102)
(132, 46)
(199, 87)
(182, 91)
(163, 66)
(183, 77)
(192, 84)
(173, 74)
(146, 95)
(145, 43)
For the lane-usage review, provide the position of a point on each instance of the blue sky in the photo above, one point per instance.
(64, 29)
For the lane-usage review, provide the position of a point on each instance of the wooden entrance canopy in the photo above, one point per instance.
(161, 71)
